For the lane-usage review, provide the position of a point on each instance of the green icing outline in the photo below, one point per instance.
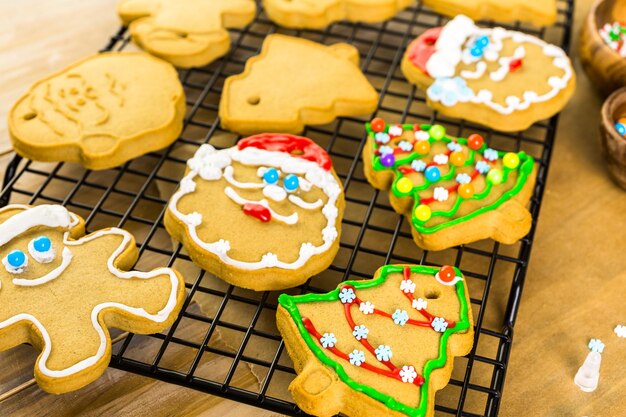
(525, 169)
(290, 303)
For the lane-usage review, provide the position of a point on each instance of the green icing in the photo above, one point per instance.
(524, 170)
(290, 303)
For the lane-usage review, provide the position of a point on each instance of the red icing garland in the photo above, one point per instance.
(297, 146)
(424, 47)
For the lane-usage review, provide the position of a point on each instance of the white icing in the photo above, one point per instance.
(305, 205)
(54, 274)
(228, 176)
(232, 194)
(453, 46)
(275, 192)
(503, 70)
(481, 67)
(51, 216)
(314, 176)
(12, 270)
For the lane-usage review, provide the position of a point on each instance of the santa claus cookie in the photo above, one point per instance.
(317, 14)
(380, 347)
(452, 190)
(60, 291)
(294, 82)
(187, 33)
(101, 111)
(265, 214)
(500, 78)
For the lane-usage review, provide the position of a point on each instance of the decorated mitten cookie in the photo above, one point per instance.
(265, 214)
(378, 347)
(452, 190)
(60, 291)
(317, 14)
(537, 12)
(101, 111)
(187, 33)
(294, 82)
(500, 78)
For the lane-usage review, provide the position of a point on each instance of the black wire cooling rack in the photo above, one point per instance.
(229, 346)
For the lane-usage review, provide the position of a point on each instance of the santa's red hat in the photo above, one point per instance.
(297, 146)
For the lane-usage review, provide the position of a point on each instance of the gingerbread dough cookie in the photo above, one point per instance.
(264, 215)
(60, 291)
(294, 82)
(101, 111)
(538, 12)
(317, 14)
(503, 79)
(452, 190)
(377, 347)
(187, 33)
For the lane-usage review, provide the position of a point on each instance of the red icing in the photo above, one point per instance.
(256, 210)
(515, 64)
(423, 48)
(298, 146)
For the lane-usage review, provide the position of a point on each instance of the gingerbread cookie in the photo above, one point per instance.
(60, 291)
(377, 347)
(503, 79)
(538, 12)
(265, 214)
(187, 33)
(101, 111)
(294, 82)
(317, 14)
(452, 190)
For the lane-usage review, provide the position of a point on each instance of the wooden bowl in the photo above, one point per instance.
(614, 144)
(605, 68)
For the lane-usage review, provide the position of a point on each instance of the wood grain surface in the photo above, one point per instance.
(576, 286)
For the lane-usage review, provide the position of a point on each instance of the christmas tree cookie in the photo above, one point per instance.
(500, 78)
(377, 347)
(452, 190)
(60, 291)
(294, 82)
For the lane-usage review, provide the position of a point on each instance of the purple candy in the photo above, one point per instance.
(388, 159)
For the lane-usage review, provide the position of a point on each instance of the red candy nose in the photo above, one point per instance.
(256, 210)
(515, 65)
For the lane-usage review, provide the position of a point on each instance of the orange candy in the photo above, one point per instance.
(466, 190)
(422, 147)
(377, 125)
(475, 141)
(457, 158)
(447, 273)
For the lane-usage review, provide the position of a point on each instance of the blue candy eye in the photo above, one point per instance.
(42, 244)
(291, 183)
(270, 176)
(41, 249)
(482, 41)
(15, 262)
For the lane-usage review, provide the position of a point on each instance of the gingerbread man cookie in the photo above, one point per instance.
(265, 214)
(60, 292)
(101, 111)
(452, 190)
(294, 82)
(377, 347)
(500, 78)
(187, 33)
(317, 14)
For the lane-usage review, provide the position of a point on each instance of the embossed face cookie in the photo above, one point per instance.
(187, 33)
(503, 79)
(101, 111)
(60, 291)
(377, 347)
(264, 215)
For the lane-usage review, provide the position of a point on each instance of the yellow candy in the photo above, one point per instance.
(510, 160)
(404, 185)
(422, 212)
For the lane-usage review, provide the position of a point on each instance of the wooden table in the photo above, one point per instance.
(577, 279)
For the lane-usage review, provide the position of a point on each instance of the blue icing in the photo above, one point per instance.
(450, 91)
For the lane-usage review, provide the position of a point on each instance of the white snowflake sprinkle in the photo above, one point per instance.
(347, 295)
(418, 165)
(328, 340)
(385, 150)
(407, 286)
(441, 159)
(382, 137)
(383, 353)
(419, 304)
(422, 135)
(596, 345)
(490, 154)
(405, 146)
(454, 146)
(440, 194)
(357, 357)
(408, 374)
(366, 307)
(400, 317)
(439, 324)
(483, 167)
(463, 178)
(620, 331)
(360, 332)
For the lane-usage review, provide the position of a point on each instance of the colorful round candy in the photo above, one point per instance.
(457, 158)
(432, 174)
(476, 52)
(422, 147)
(388, 160)
(270, 176)
(510, 160)
(16, 258)
(291, 183)
(495, 176)
(404, 185)
(422, 212)
(475, 141)
(447, 273)
(437, 132)
(621, 128)
(377, 124)
(42, 244)
(466, 190)
(482, 41)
